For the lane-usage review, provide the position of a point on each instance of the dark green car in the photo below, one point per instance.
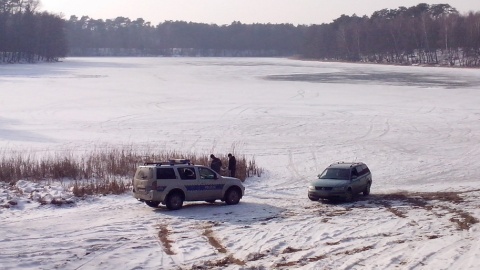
(341, 180)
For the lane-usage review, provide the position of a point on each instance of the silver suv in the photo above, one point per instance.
(341, 180)
(175, 181)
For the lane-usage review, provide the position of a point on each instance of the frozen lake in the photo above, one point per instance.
(417, 128)
(414, 125)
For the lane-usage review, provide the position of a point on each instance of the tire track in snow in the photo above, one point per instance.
(292, 167)
(374, 245)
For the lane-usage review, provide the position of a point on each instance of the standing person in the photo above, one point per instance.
(232, 164)
(216, 163)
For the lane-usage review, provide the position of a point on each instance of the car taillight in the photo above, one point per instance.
(154, 185)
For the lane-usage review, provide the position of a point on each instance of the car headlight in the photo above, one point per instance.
(311, 188)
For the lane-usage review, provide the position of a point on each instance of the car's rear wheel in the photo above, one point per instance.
(232, 196)
(366, 192)
(174, 201)
(152, 203)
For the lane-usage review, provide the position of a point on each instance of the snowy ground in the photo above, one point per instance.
(415, 127)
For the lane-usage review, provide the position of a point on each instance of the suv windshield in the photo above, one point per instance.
(335, 173)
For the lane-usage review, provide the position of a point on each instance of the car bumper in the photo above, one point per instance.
(144, 196)
(324, 194)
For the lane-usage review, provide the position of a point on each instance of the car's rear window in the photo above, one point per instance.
(143, 173)
(335, 173)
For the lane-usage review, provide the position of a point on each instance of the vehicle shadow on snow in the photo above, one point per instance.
(420, 199)
(244, 212)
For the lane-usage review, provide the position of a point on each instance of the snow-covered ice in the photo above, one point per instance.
(417, 128)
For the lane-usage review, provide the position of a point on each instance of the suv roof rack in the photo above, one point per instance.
(352, 163)
(170, 162)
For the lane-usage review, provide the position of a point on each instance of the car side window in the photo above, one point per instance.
(166, 173)
(359, 170)
(365, 169)
(355, 173)
(206, 173)
(187, 173)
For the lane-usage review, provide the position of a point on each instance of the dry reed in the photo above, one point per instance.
(100, 171)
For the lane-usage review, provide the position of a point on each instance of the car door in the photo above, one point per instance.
(189, 180)
(357, 182)
(210, 183)
(367, 176)
(363, 177)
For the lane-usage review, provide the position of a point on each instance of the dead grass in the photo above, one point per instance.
(462, 219)
(357, 250)
(256, 256)
(229, 259)
(224, 262)
(292, 264)
(290, 250)
(163, 236)
(213, 241)
(428, 201)
(106, 170)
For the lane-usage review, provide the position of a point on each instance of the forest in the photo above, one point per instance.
(121, 36)
(423, 34)
(30, 36)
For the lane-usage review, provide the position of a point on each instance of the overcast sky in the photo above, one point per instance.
(226, 11)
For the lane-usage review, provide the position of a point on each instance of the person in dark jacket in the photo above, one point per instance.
(232, 164)
(216, 163)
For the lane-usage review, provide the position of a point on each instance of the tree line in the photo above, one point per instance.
(30, 36)
(421, 34)
(122, 36)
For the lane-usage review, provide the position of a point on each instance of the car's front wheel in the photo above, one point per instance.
(153, 204)
(174, 201)
(232, 196)
(349, 196)
(366, 192)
